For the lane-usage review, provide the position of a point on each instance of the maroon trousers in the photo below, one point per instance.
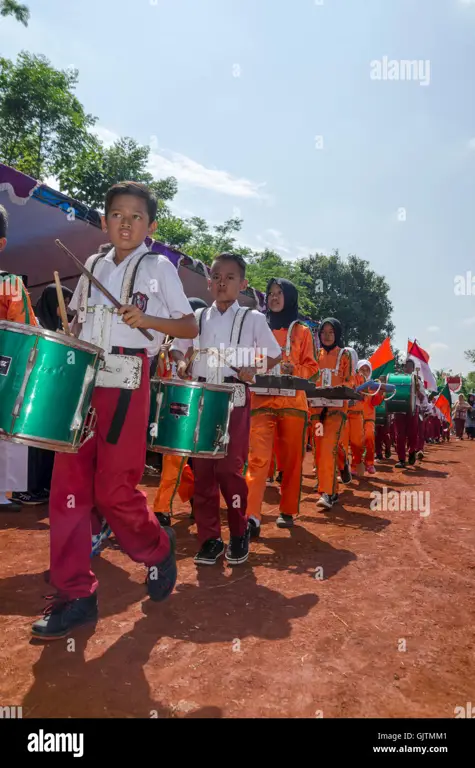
(459, 427)
(382, 438)
(105, 476)
(225, 475)
(407, 431)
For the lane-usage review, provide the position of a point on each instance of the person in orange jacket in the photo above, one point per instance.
(282, 416)
(177, 474)
(336, 368)
(369, 413)
(353, 433)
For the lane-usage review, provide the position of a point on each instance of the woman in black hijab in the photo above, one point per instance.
(47, 307)
(280, 421)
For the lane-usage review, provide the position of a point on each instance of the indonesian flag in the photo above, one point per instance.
(421, 361)
(444, 403)
(382, 360)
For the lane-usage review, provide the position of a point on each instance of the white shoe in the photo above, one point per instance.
(325, 501)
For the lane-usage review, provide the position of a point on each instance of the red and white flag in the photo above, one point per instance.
(421, 361)
(454, 382)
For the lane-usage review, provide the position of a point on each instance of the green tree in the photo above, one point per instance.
(195, 237)
(469, 383)
(264, 265)
(94, 169)
(42, 123)
(470, 355)
(352, 292)
(12, 8)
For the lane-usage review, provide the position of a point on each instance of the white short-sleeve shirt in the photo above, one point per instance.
(216, 329)
(157, 290)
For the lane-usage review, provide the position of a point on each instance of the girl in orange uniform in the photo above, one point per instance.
(336, 368)
(283, 416)
(369, 414)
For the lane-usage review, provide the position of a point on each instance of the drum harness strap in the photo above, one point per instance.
(103, 326)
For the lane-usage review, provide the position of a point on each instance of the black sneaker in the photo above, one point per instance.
(412, 458)
(400, 464)
(279, 478)
(285, 521)
(210, 552)
(334, 498)
(238, 549)
(254, 528)
(345, 474)
(30, 499)
(387, 453)
(164, 519)
(161, 578)
(379, 456)
(62, 616)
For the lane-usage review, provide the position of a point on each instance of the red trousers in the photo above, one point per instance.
(407, 431)
(225, 475)
(103, 475)
(459, 427)
(382, 438)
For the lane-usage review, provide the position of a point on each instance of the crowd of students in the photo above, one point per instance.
(266, 427)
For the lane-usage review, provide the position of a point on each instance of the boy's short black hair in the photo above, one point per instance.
(136, 189)
(236, 257)
(3, 221)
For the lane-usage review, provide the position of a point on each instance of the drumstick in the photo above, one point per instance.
(61, 304)
(99, 285)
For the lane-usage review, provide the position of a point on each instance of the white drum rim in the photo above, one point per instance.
(194, 384)
(59, 338)
(45, 444)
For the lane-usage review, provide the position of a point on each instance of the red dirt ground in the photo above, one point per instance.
(307, 647)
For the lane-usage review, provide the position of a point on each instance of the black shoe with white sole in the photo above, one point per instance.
(164, 519)
(334, 498)
(325, 501)
(345, 474)
(62, 616)
(400, 465)
(31, 499)
(412, 458)
(161, 578)
(254, 528)
(238, 549)
(285, 521)
(387, 453)
(210, 552)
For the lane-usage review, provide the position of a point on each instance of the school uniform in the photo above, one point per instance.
(108, 467)
(239, 335)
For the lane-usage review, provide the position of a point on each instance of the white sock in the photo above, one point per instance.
(3, 498)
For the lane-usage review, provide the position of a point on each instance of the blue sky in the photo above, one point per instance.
(232, 95)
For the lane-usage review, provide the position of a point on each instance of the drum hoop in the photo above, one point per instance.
(59, 338)
(32, 441)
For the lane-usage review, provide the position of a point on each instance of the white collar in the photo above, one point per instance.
(234, 308)
(142, 248)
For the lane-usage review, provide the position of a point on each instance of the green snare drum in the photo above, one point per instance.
(46, 384)
(404, 401)
(189, 418)
(381, 414)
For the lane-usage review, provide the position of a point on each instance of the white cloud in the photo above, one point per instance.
(469, 321)
(467, 2)
(164, 162)
(433, 328)
(438, 345)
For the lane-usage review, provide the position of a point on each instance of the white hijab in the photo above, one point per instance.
(365, 362)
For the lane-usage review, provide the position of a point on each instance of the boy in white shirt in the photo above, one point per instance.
(106, 470)
(238, 337)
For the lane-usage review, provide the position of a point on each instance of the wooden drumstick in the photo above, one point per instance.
(62, 305)
(99, 285)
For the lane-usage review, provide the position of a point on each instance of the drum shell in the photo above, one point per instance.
(175, 410)
(404, 401)
(381, 414)
(58, 392)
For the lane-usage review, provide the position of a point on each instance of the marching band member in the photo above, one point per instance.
(242, 334)
(336, 368)
(281, 418)
(106, 470)
(353, 433)
(369, 416)
(177, 474)
(15, 306)
(407, 424)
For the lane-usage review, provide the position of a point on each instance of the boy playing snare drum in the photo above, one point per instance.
(233, 334)
(108, 467)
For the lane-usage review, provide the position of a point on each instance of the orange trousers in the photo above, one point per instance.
(369, 433)
(290, 429)
(176, 476)
(327, 442)
(275, 465)
(353, 435)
